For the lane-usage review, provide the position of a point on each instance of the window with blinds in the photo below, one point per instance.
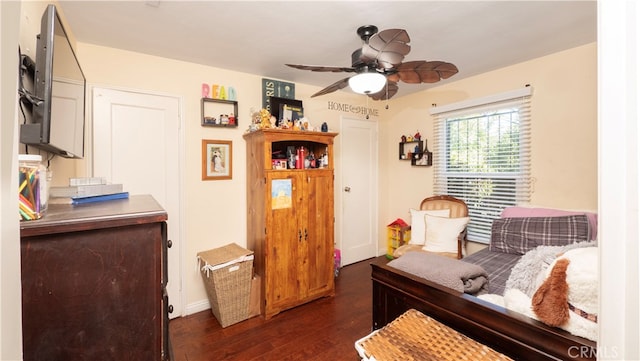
(482, 155)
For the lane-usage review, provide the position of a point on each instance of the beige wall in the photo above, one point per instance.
(564, 132)
(215, 211)
(621, 336)
(563, 162)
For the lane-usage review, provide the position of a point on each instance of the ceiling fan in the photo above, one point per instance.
(378, 65)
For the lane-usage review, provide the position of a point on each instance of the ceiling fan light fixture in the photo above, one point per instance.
(367, 82)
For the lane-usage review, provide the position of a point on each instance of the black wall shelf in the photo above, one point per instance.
(416, 152)
(219, 113)
(408, 149)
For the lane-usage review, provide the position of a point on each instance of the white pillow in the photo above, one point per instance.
(418, 223)
(442, 233)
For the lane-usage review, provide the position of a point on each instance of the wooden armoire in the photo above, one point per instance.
(290, 216)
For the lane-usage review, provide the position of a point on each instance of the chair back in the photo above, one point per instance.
(457, 208)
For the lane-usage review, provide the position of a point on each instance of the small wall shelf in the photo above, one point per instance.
(417, 152)
(219, 113)
(424, 159)
(408, 149)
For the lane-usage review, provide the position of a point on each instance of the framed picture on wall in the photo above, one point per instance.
(216, 159)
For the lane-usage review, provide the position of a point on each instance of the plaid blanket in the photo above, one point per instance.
(498, 266)
(519, 235)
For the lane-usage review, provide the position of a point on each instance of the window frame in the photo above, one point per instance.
(482, 216)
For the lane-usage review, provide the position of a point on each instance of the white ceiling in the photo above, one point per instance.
(259, 37)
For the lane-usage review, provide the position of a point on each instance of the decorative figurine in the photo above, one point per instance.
(265, 119)
(417, 136)
(403, 139)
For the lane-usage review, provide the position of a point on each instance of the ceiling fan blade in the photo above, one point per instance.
(421, 71)
(333, 69)
(387, 47)
(387, 92)
(333, 87)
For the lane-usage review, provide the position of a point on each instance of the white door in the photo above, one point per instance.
(359, 185)
(136, 142)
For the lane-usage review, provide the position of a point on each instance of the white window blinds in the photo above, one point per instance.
(482, 155)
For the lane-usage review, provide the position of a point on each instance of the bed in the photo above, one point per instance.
(523, 338)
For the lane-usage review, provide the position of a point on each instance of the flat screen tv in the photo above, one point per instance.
(58, 118)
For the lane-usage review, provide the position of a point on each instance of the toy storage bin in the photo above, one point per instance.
(398, 234)
(226, 273)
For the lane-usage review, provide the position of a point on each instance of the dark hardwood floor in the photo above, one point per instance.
(325, 329)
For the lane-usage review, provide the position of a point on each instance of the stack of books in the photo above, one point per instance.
(86, 190)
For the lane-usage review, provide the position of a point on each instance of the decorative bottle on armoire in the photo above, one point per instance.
(290, 218)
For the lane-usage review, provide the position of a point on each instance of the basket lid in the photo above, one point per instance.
(229, 254)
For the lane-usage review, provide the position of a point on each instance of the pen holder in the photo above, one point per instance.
(32, 191)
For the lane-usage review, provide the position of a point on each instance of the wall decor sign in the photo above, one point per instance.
(354, 109)
(216, 159)
(276, 88)
(217, 91)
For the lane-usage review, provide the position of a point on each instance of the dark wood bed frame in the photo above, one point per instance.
(508, 332)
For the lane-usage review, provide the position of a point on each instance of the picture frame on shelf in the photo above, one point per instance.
(281, 107)
(279, 164)
(219, 113)
(217, 157)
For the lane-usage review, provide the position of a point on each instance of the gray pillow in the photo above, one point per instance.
(519, 235)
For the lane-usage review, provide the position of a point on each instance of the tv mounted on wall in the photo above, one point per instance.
(57, 122)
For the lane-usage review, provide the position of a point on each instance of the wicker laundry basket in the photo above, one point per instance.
(227, 273)
(414, 336)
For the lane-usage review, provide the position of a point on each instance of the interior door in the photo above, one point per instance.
(136, 142)
(359, 184)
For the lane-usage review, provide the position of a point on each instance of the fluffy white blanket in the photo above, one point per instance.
(528, 274)
(582, 281)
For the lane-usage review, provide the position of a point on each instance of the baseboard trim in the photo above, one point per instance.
(197, 306)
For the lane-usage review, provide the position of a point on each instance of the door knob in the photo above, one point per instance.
(347, 189)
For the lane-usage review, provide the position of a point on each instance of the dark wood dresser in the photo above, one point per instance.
(94, 282)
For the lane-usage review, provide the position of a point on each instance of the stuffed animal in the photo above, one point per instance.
(568, 296)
